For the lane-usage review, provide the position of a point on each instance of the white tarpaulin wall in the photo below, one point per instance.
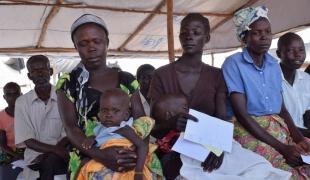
(40, 26)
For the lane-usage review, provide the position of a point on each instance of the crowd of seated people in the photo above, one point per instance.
(98, 122)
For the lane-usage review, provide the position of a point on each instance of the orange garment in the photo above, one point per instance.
(7, 124)
(94, 166)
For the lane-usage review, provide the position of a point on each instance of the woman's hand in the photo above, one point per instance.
(291, 155)
(303, 147)
(212, 162)
(61, 152)
(179, 121)
(119, 159)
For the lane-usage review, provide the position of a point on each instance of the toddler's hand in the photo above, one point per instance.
(180, 120)
(88, 143)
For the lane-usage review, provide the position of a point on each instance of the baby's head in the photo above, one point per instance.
(291, 50)
(167, 106)
(114, 107)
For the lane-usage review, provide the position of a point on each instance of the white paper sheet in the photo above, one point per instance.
(305, 159)
(209, 131)
(19, 163)
(190, 149)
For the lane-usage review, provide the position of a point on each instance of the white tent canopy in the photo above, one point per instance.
(137, 27)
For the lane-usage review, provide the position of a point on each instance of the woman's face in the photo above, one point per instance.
(259, 38)
(193, 36)
(92, 43)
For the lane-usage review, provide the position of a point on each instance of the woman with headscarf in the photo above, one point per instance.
(79, 91)
(253, 79)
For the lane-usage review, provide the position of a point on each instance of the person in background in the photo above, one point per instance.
(295, 83)
(38, 126)
(253, 78)
(9, 152)
(79, 92)
(144, 76)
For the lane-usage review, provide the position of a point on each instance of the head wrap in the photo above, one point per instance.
(245, 17)
(88, 18)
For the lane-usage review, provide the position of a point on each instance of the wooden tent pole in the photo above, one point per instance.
(170, 30)
(212, 59)
(106, 8)
(73, 50)
(47, 21)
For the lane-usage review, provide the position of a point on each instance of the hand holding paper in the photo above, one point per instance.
(208, 134)
(181, 121)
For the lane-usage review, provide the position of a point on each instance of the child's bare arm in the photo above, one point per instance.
(141, 147)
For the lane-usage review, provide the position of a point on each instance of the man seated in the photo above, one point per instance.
(9, 152)
(38, 126)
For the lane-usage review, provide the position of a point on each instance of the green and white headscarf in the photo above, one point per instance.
(245, 17)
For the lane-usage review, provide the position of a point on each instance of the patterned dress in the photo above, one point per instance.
(276, 127)
(86, 100)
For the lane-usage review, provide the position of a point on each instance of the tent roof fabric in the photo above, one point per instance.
(137, 27)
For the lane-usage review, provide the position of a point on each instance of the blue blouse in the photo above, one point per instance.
(261, 86)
